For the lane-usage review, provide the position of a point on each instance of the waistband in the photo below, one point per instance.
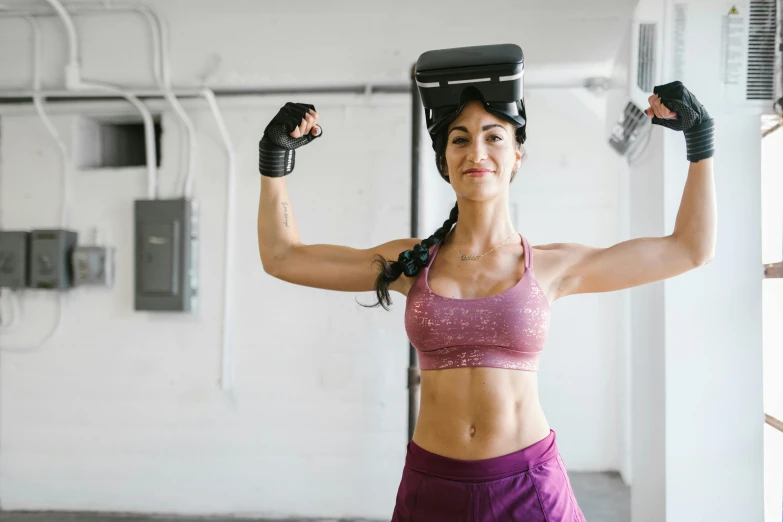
(428, 463)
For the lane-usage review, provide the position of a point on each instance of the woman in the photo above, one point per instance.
(478, 298)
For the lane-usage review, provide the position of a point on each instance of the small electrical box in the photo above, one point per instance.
(166, 232)
(14, 255)
(93, 266)
(50, 256)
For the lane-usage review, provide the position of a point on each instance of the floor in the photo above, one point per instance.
(602, 496)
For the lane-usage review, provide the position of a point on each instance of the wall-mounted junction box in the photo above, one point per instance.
(93, 265)
(50, 256)
(166, 232)
(14, 258)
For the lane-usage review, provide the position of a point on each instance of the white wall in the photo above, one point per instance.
(121, 411)
(616, 100)
(124, 406)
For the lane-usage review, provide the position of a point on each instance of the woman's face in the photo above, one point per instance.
(481, 153)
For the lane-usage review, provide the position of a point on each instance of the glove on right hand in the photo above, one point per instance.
(276, 148)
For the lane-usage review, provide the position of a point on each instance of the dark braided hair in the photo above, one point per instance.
(410, 262)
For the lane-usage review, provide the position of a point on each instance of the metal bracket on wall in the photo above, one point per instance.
(414, 377)
(773, 270)
(775, 423)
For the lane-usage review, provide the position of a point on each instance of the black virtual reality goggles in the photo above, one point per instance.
(448, 79)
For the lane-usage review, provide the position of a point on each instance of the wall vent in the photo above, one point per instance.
(106, 144)
(761, 50)
(645, 68)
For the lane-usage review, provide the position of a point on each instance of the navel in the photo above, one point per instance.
(473, 431)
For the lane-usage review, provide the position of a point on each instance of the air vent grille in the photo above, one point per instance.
(645, 72)
(761, 50)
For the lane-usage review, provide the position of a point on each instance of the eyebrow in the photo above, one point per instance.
(484, 128)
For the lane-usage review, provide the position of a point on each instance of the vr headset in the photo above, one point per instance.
(448, 79)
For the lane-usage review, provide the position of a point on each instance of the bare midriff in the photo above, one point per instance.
(479, 413)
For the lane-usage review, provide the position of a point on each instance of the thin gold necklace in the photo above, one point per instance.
(466, 257)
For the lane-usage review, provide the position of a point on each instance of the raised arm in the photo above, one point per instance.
(585, 269)
(331, 267)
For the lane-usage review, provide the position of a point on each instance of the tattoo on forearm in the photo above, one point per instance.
(285, 213)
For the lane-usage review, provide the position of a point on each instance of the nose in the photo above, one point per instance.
(477, 151)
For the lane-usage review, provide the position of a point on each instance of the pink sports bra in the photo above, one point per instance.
(506, 330)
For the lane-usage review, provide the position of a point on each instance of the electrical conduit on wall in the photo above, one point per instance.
(38, 101)
(161, 67)
(74, 81)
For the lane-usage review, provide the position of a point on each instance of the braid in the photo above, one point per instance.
(410, 262)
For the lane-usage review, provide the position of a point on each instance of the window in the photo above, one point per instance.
(772, 315)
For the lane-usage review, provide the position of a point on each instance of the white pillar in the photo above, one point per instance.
(697, 418)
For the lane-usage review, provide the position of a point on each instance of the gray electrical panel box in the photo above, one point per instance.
(14, 258)
(50, 258)
(166, 233)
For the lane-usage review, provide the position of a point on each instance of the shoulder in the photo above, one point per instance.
(548, 259)
(562, 248)
(391, 252)
(549, 253)
(562, 252)
(554, 261)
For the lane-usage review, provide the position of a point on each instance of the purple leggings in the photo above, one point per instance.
(529, 485)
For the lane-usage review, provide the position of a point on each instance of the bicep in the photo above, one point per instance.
(337, 267)
(632, 263)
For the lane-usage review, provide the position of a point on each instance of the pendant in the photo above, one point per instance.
(469, 258)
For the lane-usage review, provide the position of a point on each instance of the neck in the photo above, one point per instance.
(481, 225)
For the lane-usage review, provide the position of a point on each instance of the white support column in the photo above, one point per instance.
(648, 412)
(697, 419)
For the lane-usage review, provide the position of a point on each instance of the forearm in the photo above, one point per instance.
(277, 231)
(697, 219)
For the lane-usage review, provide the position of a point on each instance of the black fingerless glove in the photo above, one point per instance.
(692, 119)
(276, 148)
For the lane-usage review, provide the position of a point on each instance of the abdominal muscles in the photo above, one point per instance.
(479, 413)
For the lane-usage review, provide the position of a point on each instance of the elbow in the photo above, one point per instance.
(697, 253)
(273, 262)
(268, 266)
(701, 258)
(266, 261)
(273, 259)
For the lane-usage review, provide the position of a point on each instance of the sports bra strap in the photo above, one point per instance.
(528, 253)
(433, 254)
